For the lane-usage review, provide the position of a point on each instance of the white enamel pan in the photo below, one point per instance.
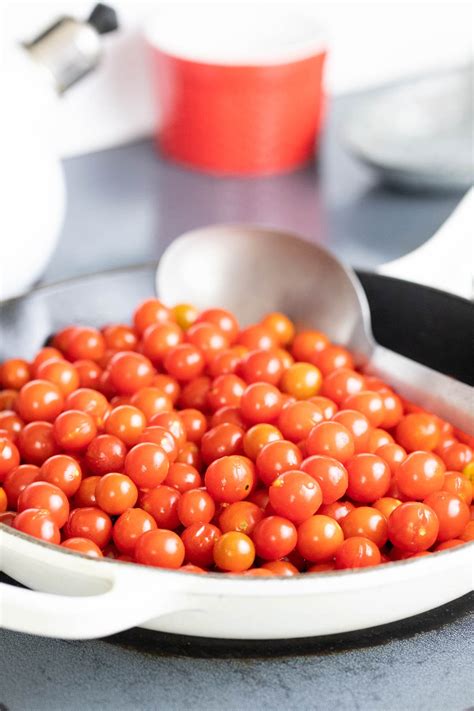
(74, 597)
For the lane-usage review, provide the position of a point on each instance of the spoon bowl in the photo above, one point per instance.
(252, 271)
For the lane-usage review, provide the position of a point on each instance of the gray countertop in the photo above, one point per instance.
(125, 206)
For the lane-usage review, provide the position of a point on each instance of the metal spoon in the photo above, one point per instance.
(252, 271)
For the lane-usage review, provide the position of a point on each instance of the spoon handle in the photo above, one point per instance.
(441, 394)
(446, 261)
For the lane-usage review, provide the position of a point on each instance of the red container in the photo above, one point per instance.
(238, 92)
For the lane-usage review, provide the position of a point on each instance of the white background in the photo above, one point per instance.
(370, 43)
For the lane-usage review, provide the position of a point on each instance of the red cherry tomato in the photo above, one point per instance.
(452, 512)
(257, 437)
(62, 471)
(230, 479)
(196, 506)
(419, 475)
(104, 454)
(234, 552)
(337, 510)
(277, 458)
(147, 465)
(183, 477)
(151, 312)
(358, 425)
(308, 345)
(126, 423)
(17, 480)
(128, 528)
(160, 548)
(297, 419)
(39, 400)
(82, 545)
(295, 495)
(331, 439)
(418, 431)
(330, 474)
(9, 457)
(274, 537)
(38, 523)
(369, 478)
(90, 522)
(74, 430)
(342, 383)
(199, 540)
(223, 319)
(242, 516)
(261, 367)
(319, 537)
(162, 504)
(36, 442)
(413, 527)
(456, 483)
(368, 522)
(334, 358)
(357, 552)
(115, 493)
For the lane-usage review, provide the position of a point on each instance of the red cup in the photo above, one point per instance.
(240, 90)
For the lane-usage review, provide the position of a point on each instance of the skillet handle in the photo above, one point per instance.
(445, 396)
(446, 260)
(86, 617)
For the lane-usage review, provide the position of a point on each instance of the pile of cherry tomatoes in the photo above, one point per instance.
(184, 441)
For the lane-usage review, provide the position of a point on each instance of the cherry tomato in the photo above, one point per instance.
(242, 516)
(420, 474)
(456, 483)
(151, 312)
(274, 537)
(468, 533)
(196, 506)
(257, 437)
(418, 431)
(295, 495)
(331, 439)
(280, 326)
(38, 523)
(159, 339)
(228, 414)
(452, 543)
(369, 477)
(221, 441)
(39, 400)
(452, 512)
(319, 537)
(393, 410)
(276, 458)
(257, 337)
(330, 474)
(127, 423)
(208, 338)
(369, 403)
(10, 422)
(386, 504)
(368, 522)
(61, 373)
(18, 479)
(378, 438)
(194, 394)
(281, 567)
(115, 493)
(9, 457)
(393, 454)
(85, 495)
(307, 346)
(82, 545)
(457, 456)
(105, 453)
(162, 504)
(151, 401)
(199, 540)
(185, 315)
(261, 367)
(225, 391)
(8, 399)
(129, 527)
(225, 362)
(62, 471)
(334, 358)
(230, 479)
(224, 320)
(183, 477)
(234, 552)
(195, 424)
(163, 438)
(147, 465)
(129, 372)
(74, 430)
(327, 406)
(413, 527)
(357, 552)
(190, 454)
(260, 402)
(184, 362)
(297, 419)
(90, 401)
(120, 337)
(85, 343)
(160, 548)
(168, 385)
(301, 380)
(322, 567)
(337, 510)
(342, 383)
(14, 373)
(36, 442)
(358, 425)
(89, 373)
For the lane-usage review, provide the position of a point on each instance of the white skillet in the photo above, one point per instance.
(76, 597)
